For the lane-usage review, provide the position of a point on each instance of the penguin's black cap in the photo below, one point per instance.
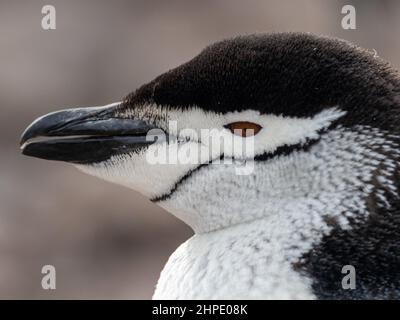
(294, 74)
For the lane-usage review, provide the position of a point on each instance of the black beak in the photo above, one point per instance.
(85, 135)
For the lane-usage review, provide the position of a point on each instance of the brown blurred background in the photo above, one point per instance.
(104, 240)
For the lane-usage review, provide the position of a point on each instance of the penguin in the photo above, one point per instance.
(322, 195)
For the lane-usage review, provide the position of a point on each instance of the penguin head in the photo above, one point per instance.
(247, 127)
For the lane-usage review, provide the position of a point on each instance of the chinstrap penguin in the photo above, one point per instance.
(324, 192)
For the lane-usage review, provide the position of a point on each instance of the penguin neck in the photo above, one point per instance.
(329, 185)
(252, 260)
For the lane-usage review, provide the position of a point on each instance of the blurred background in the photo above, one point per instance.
(104, 240)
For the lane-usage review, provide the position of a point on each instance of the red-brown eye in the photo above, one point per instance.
(244, 128)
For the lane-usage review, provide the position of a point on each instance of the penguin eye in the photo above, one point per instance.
(244, 128)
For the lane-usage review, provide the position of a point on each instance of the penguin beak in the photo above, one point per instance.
(85, 135)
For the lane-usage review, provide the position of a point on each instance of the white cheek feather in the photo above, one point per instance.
(134, 171)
